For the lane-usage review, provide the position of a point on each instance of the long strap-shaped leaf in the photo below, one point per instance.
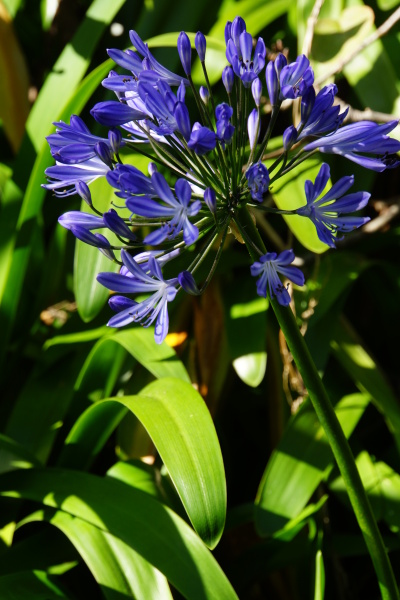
(146, 525)
(183, 432)
(117, 568)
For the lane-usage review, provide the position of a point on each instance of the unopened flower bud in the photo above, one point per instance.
(185, 52)
(201, 45)
(204, 94)
(228, 78)
(210, 199)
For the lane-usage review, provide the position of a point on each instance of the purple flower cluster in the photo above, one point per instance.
(209, 166)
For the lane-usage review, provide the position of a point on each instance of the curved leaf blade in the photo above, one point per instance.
(151, 529)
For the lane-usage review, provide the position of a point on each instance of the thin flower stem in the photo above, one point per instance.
(334, 433)
(208, 84)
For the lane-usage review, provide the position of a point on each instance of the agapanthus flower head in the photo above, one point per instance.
(217, 169)
(268, 267)
(239, 49)
(146, 312)
(358, 141)
(258, 179)
(326, 212)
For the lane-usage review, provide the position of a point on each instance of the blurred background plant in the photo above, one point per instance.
(112, 498)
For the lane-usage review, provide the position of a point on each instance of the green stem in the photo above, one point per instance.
(333, 430)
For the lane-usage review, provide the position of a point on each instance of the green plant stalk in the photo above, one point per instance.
(329, 421)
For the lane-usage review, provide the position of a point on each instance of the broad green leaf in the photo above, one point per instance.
(301, 460)
(40, 408)
(69, 69)
(335, 38)
(159, 359)
(154, 531)
(29, 175)
(137, 474)
(177, 420)
(35, 585)
(367, 375)
(45, 550)
(117, 568)
(14, 456)
(382, 485)
(246, 327)
(288, 194)
(96, 381)
(334, 278)
(373, 77)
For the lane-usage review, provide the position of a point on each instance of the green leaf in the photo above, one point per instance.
(246, 327)
(148, 527)
(301, 460)
(35, 585)
(366, 374)
(288, 194)
(159, 359)
(96, 381)
(89, 261)
(117, 568)
(14, 456)
(177, 420)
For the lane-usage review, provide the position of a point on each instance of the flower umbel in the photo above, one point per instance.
(204, 169)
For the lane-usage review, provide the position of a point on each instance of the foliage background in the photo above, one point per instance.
(68, 527)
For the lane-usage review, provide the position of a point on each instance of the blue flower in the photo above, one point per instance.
(258, 179)
(318, 115)
(63, 178)
(148, 68)
(356, 140)
(112, 113)
(202, 139)
(239, 50)
(268, 267)
(129, 181)
(78, 217)
(177, 210)
(326, 213)
(154, 308)
(296, 78)
(74, 143)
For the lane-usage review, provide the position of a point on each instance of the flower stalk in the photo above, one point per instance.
(337, 440)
